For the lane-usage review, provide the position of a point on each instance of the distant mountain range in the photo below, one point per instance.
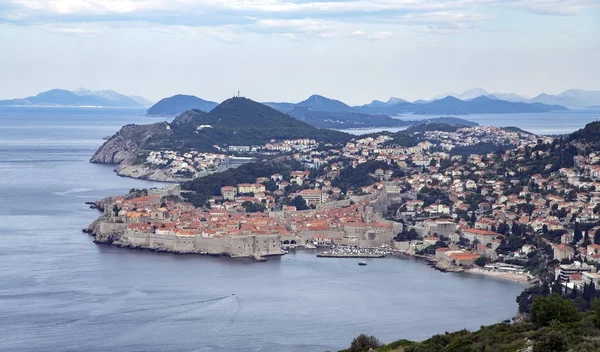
(572, 98)
(318, 105)
(79, 98)
(323, 112)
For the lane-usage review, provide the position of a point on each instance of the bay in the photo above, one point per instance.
(61, 292)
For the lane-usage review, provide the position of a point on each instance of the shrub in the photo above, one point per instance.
(553, 308)
(363, 343)
(551, 342)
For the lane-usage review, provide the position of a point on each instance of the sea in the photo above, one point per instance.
(59, 291)
(550, 123)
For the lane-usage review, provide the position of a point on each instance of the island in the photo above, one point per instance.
(79, 98)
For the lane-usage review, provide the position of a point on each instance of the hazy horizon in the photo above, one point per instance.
(276, 50)
(438, 96)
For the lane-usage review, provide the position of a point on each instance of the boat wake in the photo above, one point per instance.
(141, 310)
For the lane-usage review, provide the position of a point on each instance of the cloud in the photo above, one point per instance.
(320, 28)
(72, 7)
(553, 7)
(228, 20)
(77, 31)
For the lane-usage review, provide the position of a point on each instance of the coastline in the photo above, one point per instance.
(514, 277)
(437, 265)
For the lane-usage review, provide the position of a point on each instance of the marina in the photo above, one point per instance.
(354, 252)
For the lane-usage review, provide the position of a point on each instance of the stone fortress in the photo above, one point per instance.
(153, 222)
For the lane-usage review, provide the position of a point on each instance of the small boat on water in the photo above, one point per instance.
(362, 263)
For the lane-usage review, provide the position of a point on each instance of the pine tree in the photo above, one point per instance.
(574, 293)
(586, 292)
(577, 235)
(557, 287)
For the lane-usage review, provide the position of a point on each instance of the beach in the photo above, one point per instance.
(515, 277)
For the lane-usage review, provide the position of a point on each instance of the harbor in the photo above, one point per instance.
(353, 252)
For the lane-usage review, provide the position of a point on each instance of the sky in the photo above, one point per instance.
(286, 50)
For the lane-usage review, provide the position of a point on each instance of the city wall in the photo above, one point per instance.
(235, 246)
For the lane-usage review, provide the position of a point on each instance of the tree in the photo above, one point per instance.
(596, 310)
(473, 217)
(363, 343)
(481, 261)
(254, 207)
(577, 235)
(553, 308)
(299, 203)
(503, 228)
(597, 237)
(551, 342)
(410, 235)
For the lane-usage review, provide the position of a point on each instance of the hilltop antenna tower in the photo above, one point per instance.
(238, 93)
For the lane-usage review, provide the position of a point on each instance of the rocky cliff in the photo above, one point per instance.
(146, 172)
(123, 147)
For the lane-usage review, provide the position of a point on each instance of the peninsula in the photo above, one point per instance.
(196, 143)
(478, 199)
(237, 131)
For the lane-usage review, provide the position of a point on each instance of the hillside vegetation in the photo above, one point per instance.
(555, 326)
(236, 121)
(241, 121)
(588, 135)
(206, 187)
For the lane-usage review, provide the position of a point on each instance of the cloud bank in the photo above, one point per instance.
(294, 19)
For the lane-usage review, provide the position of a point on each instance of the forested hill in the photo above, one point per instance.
(240, 113)
(588, 136)
(241, 121)
(236, 121)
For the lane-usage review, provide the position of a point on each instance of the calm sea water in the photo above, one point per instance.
(61, 292)
(542, 123)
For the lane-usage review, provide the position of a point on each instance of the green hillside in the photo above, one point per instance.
(590, 134)
(555, 325)
(241, 121)
(237, 121)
